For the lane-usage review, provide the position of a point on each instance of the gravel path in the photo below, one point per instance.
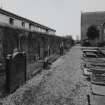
(63, 84)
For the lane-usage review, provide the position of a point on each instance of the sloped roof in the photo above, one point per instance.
(24, 19)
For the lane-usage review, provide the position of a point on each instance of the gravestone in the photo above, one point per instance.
(15, 71)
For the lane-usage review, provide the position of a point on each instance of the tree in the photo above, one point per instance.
(70, 39)
(92, 32)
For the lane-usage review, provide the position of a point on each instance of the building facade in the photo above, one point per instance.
(21, 22)
(93, 18)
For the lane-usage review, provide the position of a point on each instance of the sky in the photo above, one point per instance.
(62, 15)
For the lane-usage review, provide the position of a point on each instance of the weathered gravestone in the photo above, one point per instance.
(15, 71)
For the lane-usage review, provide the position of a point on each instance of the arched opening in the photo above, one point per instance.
(92, 32)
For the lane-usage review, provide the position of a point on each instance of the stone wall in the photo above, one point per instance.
(35, 44)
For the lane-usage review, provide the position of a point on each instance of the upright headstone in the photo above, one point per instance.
(15, 71)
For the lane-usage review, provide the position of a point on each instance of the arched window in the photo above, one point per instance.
(92, 32)
(11, 21)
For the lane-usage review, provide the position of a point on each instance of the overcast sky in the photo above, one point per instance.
(62, 15)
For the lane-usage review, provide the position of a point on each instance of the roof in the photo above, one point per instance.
(24, 19)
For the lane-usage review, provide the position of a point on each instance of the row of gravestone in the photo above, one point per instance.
(16, 70)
